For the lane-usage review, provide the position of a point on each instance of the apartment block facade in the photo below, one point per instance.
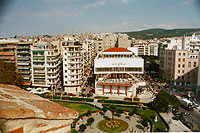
(147, 48)
(8, 51)
(24, 61)
(181, 67)
(72, 65)
(45, 66)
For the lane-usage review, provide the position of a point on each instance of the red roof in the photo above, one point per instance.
(117, 50)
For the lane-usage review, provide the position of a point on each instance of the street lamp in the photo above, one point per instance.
(169, 114)
(152, 127)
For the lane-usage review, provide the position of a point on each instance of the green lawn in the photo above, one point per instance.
(80, 107)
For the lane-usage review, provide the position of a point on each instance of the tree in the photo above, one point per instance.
(82, 128)
(9, 75)
(134, 110)
(89, 112)
(105, 109)
(130, 114)
(163, 100)
(90, 121)
(144, 122)
(112, 108)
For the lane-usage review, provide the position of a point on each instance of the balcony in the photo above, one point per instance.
(38, 58)
(23, 47)
(52, 77)
(39, 72)
(79, 67)
(76, 73)
(73, 79)
(7, 53)
(75, 62)
(23, 63)
(23, 58)
(26, 68)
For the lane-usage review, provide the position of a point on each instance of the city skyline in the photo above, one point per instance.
(66, 16)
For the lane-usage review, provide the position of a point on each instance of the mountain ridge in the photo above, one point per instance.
(161, 33)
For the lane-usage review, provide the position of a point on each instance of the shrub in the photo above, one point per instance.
(82, 128)
(175, 118)
(74, 131)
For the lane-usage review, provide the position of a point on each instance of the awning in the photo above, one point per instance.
(41, 52)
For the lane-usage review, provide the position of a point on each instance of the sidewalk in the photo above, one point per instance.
(175, 126)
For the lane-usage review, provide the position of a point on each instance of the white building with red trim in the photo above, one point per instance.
(118, 72)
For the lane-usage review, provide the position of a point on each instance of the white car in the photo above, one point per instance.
(198, 108)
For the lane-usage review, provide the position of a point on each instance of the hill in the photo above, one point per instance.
(161, 33)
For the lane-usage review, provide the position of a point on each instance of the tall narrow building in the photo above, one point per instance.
(72, 65)
(24, 61)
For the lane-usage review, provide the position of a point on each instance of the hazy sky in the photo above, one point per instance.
(37, 17)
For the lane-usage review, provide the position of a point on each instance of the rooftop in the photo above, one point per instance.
(117, 50)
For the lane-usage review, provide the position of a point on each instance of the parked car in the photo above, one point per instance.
(198, 108)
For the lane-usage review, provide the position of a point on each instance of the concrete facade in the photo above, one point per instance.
(72, 65)
(181, 67)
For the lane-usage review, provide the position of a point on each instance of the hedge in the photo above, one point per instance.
(122, 102)
(166, 124)
(68, 97)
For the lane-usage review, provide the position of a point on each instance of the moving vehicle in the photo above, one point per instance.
(187, 104)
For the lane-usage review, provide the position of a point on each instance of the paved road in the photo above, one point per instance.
(195, 115)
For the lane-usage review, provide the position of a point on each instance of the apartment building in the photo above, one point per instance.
(181, 67)
(118, 72)
(45, 66)
(24, 61)
(123, 40)
(8, 50)
(72, 65)
(147, 48)
(181, 60)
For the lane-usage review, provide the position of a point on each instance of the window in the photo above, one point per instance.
(179, 71)
(179, 54)
(179, 59)
(183, 54)
(189, 64)
(183, 71)
(65, 82)
(188, 75)
(195, 64)
(194, 75)
(66, 71)
(183, 65)
(179, 65)
(183, 59)
(182, 77)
